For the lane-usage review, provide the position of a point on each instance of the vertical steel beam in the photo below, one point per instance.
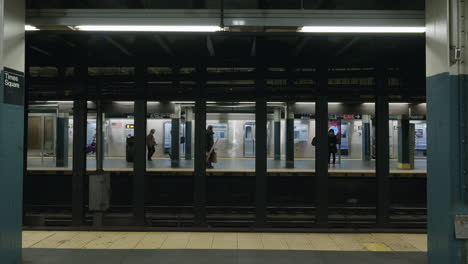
(321, 149)
(277, 133)
(200, 151)
(139, 163)
(188, 133)
(382, 148)
(99, 137)
(175, 138)
(289, 137)
(80, 113)
(260, 149)
(79, 161)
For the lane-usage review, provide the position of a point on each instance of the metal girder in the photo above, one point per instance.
(232, 17)
(164, 45)
(210, 46)
(301, 46)
(347, 46)
(40, 50)
(253, 49)
(118, 45)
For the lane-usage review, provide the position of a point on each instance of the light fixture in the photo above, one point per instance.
(30, 28)
(182, 102)
(352, 29)
(148, 28)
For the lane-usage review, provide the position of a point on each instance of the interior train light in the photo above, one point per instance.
(349, 29)
(148, 28)
(30, 28)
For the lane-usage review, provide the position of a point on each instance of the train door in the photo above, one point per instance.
(249, 140)
(42, 134)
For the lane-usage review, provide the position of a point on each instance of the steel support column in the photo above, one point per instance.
(188, 133)
(80, 113)
(321, 161)
(382, 149)
(289, 137)
(79, 161)
(200, 151)
(261, 150)
(139, 163)
(277, 133)
(175, 137)
(99, 137)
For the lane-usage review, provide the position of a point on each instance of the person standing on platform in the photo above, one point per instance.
(209, 147)
(332, 149)
(151, 144)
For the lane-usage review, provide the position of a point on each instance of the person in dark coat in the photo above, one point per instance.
(209, 145)
(332, 149)
(151, 143)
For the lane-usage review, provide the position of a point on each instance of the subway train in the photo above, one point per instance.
(230, 192)
(234, 132)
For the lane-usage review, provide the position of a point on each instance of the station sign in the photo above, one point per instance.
(13, 83)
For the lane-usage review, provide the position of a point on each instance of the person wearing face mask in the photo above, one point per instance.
(332, 149)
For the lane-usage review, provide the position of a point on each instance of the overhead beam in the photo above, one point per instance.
(40, 50)
(118, 45)
(69, 43)
(164, 45)
(301, 46)
(253, 49)
(251, 18)
(351, 43)
(210, 46)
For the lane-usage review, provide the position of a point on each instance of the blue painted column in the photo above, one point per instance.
(405, 144)
(175, 136)
(62, 141)
(277, 134)
(446, 86)
(12, 59)
(188, 133)
(289, 137)
(366, 138)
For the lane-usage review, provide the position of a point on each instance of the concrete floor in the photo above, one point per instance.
(154, 247)
(35, 163)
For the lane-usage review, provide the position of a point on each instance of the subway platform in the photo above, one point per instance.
(160, 247)
(227, 165)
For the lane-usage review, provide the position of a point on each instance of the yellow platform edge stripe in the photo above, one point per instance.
(404, 166)
(376, 247)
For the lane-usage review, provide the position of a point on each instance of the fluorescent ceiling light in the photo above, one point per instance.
(148, 28)
(350, 29)
(30, 28)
